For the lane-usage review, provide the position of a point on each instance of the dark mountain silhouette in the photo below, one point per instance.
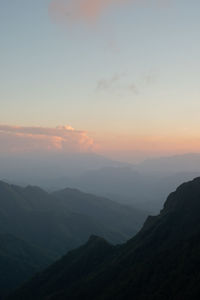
(161, 262)
(19, 261)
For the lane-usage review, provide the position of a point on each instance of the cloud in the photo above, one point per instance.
(25, 139)
(107, 84)
(123, 83)
(133, 88)
(117, 83)
(89, 10)
(149, 78)
(85, 10)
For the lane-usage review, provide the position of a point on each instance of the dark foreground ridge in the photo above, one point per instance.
(19, 261)
(161, 262)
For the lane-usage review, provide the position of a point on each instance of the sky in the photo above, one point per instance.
(117, 77)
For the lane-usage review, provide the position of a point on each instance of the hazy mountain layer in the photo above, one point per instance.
(146, 191)
(144, 185)
(63, 220)
(37, 227)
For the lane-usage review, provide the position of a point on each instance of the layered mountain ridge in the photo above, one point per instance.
(44, 226)
(161, 262)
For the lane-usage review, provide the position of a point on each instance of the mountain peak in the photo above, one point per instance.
(180, 216)
(186, 198)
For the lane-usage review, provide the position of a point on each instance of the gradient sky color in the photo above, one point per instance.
(127, 72)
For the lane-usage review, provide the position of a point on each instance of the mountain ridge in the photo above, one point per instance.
(158, 263)
(56, 223)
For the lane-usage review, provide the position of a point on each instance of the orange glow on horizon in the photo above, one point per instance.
(148, 145)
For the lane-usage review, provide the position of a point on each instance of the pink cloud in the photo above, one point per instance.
(86, 10)
(63, 138)
(90, 11)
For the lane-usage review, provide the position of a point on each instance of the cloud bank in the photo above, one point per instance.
(27, 139)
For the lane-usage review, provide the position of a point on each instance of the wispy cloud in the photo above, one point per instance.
(63, 138)
(109, 83)
(117, 83)
(122, 83)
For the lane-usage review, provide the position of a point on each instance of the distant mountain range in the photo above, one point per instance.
(184, 163)
(144, 185)
(42, 169)
(37, 227)
(161, 262)
(146, 191)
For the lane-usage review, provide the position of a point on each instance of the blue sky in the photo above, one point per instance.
(132, 72)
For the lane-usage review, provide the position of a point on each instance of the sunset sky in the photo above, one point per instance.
(118, 77)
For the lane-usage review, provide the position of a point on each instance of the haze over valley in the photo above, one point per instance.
(143, 185)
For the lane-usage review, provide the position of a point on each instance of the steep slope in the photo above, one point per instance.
(18, 262)
(65, 219)
(161, 262)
